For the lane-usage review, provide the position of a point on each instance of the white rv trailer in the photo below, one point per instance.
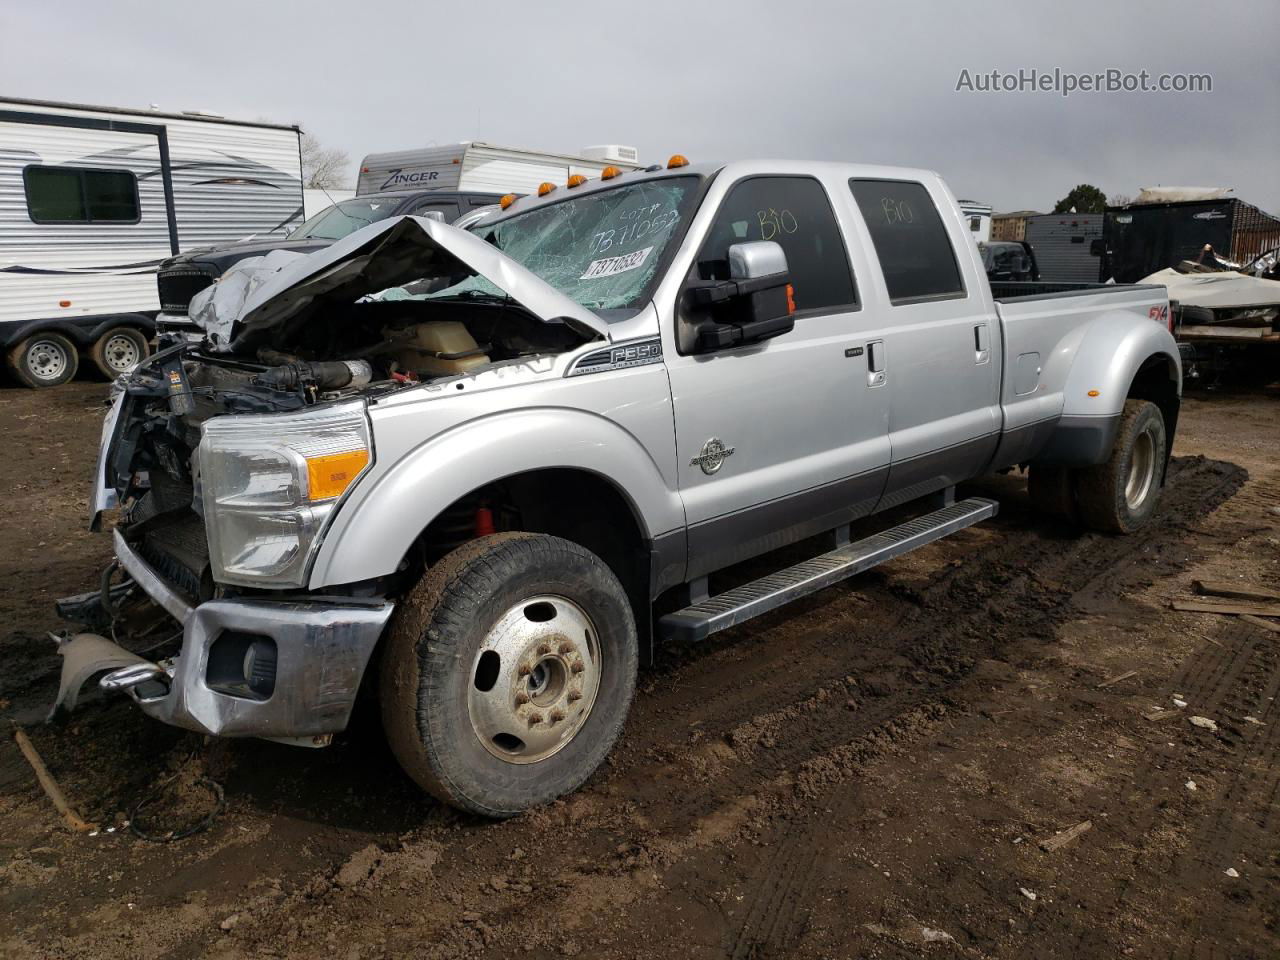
(93, 198)
(484, 167)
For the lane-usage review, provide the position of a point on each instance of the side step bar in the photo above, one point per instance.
(732, 607)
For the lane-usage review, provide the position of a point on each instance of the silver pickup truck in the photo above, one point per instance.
(478, 472)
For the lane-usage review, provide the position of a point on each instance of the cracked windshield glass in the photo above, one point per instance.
(601, 249)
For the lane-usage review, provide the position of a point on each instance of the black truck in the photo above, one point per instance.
(180, 278)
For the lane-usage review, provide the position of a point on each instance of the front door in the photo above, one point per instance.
(782, 439)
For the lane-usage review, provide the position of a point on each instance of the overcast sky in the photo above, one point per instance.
(712, 80)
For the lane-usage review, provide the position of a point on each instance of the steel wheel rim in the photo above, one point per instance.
(534, 681)
(1142, 469)
(47, 360)
(121, 353)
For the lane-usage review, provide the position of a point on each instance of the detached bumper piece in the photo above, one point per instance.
(281, 669)
(700, 620)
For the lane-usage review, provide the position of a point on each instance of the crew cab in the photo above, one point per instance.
(180, 278)
(489, 468)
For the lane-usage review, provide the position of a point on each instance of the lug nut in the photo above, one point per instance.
(577, 666)
(566, 647)
(574, 695)
(535, 719)
(557, 716)
(522, 698)
(525, 670)
(544, 649)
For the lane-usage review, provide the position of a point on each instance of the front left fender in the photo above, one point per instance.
(374, 530)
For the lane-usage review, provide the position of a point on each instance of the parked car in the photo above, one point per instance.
(507, 459)
(1009, 260)
(93, 198)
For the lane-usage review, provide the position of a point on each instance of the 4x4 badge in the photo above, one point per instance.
(714, 453)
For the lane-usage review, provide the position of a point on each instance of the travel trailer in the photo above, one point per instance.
(93, 198)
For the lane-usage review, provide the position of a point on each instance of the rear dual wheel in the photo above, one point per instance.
(508, 673)
(1120, 495)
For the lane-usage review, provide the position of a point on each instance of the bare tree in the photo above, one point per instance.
(1119, 200)
(323, 166)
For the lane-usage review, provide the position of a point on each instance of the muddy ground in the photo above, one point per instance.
(869, 773)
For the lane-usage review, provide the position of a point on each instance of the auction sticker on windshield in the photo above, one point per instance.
(609, 266)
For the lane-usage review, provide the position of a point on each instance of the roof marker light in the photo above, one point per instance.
(608, 173)
(544, 188)
(576, 180)
(677, 160)
(507, 200)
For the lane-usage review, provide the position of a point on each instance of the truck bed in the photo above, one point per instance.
(1006, 291)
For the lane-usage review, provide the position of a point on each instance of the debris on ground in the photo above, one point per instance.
(1231, 872)
(1204, 723)
(50, 786)
(1191, 785)
(1124, 676)
(1066, 836)
(1026, 893)
(910, 931)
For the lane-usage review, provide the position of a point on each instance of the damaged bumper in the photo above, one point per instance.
(280, 669)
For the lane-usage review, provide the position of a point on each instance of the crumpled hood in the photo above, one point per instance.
(385, 254)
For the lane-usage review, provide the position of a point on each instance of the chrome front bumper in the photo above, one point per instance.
(322, 649)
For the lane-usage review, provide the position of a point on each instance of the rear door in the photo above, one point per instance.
(785, 438)
(941, 349)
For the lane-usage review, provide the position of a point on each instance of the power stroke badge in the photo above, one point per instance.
(713, 455)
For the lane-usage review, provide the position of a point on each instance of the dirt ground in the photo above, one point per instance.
(869, 773)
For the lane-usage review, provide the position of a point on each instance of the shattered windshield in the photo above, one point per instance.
(601, 250)
(334, 223)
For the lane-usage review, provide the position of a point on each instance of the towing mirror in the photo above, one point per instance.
(754, 304)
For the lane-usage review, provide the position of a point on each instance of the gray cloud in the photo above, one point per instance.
(712, 80)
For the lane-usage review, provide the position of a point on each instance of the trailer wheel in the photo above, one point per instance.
(44, 360)
(1052, 490)
(1120, 495)
(119, 350)
(508, 672)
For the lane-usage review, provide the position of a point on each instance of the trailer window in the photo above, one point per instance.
(80, 195)
(911, 242)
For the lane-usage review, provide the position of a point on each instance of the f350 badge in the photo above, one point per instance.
(714, 453)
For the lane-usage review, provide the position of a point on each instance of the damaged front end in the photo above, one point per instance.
(227, 460)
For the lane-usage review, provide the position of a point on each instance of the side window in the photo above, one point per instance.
(795, 213)
(910, 240)
(80, 195)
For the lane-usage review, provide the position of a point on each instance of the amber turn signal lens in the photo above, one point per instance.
(330, 475)
(507, 201)
(677, 160)
(545, 188)
(791, 299)
(576, 180)
(608, 173)
(1093, 393)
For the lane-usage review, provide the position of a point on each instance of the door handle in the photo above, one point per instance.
(875, 363)
(981, 346)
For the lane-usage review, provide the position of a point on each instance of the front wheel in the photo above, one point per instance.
(508, 672)
(1120, 496)
(44, 360)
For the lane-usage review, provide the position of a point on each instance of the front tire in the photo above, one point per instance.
(1120, 496)
(508, 673)
(45, 359)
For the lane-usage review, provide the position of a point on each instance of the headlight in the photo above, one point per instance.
(269, 485)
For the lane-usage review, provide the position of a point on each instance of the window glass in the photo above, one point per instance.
(347, 216)
(78, 195)
(795, 213)
(910, 240)
(444, 212)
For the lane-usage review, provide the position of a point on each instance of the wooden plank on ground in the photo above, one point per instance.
(1066, 836)
(1240, 591)
(1124, 676)
(1238, 609)
(1259, 622)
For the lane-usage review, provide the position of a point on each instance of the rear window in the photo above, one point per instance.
(910, 240)
(80, 195)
